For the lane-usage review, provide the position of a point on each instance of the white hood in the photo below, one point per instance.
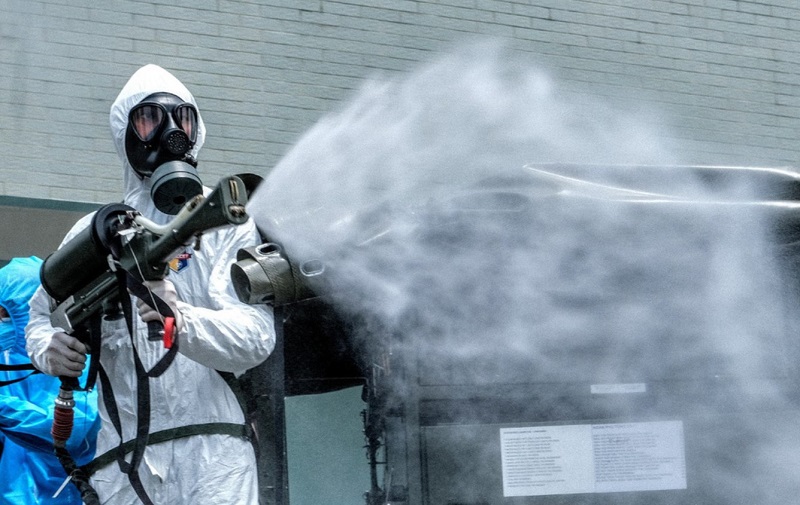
(147, 80)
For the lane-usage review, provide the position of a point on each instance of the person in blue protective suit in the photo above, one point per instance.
(30, 473)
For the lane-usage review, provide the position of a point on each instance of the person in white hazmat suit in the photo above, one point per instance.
(216, 331)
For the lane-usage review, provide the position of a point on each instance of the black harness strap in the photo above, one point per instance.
(19, 367)
(232, 429)
(15, 368)
(126, 283)
(244, 403)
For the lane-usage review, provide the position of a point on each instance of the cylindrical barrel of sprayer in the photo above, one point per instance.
(83, 259)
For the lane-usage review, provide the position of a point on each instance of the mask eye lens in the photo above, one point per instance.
(145, 119)
(186, 118)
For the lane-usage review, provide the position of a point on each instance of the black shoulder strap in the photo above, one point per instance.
(240, 388)
(236, 386)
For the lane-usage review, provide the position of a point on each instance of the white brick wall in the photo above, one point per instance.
(726, 71)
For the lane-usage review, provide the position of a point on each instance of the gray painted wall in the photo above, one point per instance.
(724, 73)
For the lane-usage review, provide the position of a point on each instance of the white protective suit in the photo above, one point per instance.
(219, 333)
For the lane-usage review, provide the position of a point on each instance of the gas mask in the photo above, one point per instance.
(162, 130)
(8, 334)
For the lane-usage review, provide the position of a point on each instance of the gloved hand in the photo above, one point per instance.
(165, 290)
(64, 356)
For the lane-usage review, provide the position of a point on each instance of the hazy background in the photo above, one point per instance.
(417, 198)
(718, 79)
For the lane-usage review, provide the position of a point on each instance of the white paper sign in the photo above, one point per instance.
(593, 458)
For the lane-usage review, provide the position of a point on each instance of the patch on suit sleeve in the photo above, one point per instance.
(180, 262)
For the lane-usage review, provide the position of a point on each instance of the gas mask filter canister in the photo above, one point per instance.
(162, 130)
(174, 184)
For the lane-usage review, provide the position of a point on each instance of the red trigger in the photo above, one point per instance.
(169, 328)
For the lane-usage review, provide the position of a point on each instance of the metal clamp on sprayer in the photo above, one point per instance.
(264, 274)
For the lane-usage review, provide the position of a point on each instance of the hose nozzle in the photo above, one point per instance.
(63, 416)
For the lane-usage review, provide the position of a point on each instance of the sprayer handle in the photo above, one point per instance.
(154, 330)
(70, 383)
